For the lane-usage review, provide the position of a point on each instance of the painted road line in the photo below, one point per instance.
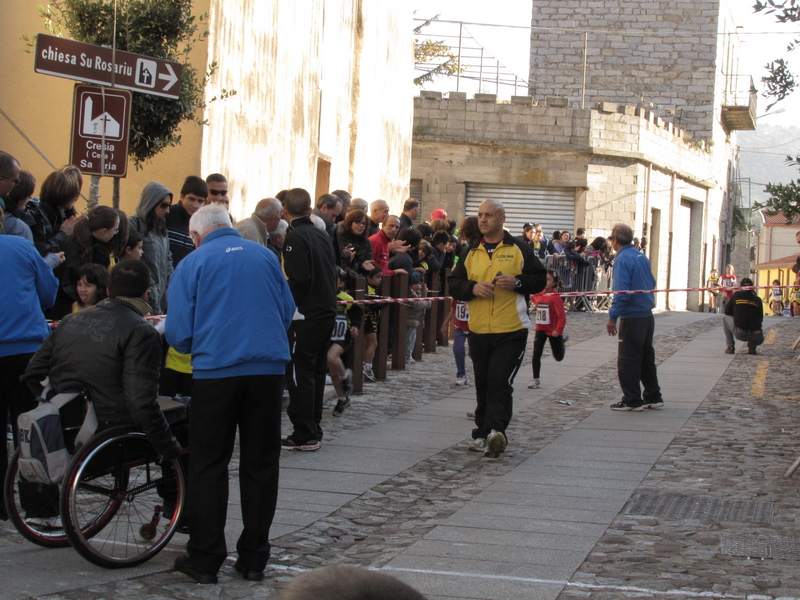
(760, 379)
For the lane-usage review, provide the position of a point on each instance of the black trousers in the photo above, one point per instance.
(636, 361)
(309, 341)
(15, 399)
(556, 346)
(496, 358)
(253, 403)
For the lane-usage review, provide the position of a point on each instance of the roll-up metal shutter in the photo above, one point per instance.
(552, 207)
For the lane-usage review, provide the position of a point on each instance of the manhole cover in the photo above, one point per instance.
(672, 506)
(760, 546)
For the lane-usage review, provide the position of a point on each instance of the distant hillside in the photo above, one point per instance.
(762, 157)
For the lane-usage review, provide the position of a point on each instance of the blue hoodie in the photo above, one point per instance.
(28, 286)
(229, 307)
(632, 272)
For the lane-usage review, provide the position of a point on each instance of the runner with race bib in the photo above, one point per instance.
(550, 322)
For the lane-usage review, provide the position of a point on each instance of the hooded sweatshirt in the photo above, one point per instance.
(155, 246)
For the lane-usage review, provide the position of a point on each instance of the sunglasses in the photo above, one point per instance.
(164, 205)
(218, 192)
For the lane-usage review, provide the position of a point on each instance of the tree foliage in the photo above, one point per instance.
(784, 198)
(163, 29)
(436, 56)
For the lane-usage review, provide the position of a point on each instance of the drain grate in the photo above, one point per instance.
(760, 546)
(672, 506)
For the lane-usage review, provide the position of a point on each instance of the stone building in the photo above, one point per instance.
(664, 168)
(322, 102)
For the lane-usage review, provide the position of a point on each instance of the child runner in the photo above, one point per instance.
(414, 316)
(371, 314)
(349, 318)
(91, 286)
(728, 281)
(776, 298)
(550, 322)
(794, 295)
(459, 314)
(713, 295)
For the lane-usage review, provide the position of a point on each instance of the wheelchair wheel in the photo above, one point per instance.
(33, 508)
(119, 503)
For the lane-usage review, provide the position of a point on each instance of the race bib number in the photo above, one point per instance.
(339, 328)
(462, 312)
(796, 295)
(542, 314)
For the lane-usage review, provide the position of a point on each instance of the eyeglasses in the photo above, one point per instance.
(611, 238)
(164, 205)
(218, 192)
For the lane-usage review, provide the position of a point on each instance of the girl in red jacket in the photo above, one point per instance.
(550, 322)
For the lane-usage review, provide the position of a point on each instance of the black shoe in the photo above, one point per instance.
(751, 348)
(730, 350)
(341, 406)
(184, 565)
(246, 574)
(632, 407)
(654, 404)
(288, 443)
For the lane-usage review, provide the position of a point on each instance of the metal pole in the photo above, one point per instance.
(458, 72)
(497, 80)
(515, 85)
(480, 73)
(583, 84)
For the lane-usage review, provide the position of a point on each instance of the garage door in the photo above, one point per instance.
(553, 207)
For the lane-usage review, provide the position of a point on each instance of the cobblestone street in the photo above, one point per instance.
(570, 511)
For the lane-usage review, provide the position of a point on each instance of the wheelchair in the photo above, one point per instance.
(118, 505)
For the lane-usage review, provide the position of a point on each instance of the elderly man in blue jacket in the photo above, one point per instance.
(636, 358)
(229, 307)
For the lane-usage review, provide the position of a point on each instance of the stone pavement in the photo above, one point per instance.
(684, 502)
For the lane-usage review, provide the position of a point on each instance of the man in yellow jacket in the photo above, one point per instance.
(496, 275)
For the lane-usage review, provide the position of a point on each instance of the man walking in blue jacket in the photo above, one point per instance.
(636, 358)
(229, 307)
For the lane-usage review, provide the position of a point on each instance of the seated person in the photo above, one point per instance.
(113, 353)
(744, 313)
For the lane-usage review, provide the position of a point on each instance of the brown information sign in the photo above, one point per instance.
(100, 123)
(97, 64)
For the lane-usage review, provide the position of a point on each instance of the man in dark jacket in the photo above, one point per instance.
(309, 264)
(115, 355)
(194, 194)
(744, 314)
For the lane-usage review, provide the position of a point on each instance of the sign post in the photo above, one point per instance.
(66, 58)
(101, 120)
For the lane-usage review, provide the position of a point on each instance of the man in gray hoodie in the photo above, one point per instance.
(150, 223)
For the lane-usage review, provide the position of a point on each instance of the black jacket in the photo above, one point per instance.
(180, 242)
(747, 310)
(116, 355)
(362, 249)
(309, 264)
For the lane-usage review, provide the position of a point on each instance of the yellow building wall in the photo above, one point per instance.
(41, 106)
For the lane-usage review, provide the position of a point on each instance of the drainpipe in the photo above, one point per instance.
(672, 187)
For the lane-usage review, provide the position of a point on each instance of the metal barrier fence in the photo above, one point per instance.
(589, 275)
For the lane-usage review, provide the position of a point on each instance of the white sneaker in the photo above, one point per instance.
(477, 445)
(533, 384)
(410, 361)
(328, 380)
(462, 381)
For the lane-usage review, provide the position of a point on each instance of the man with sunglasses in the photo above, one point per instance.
(9, 173)
(194, 194)
(636, 358)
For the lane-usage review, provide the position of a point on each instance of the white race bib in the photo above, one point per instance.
(339, 328)
(543, 313)
(462, 312)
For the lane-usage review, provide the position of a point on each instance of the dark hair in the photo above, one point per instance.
(411, 236)
(440, 224)
(95, 275)
(425, 230)
(129, 278)
(580, 231)
(598, 243)
(355, 216)
(134, 239)
(59, 189)
(554, 274)
(569, 246)
(374, 272)
(281, 195)
(556, 234)
(345, 196)
(22, 191)
(7, 164)
(195, 185)
(440, 237)
(469, 230)
(102, 217)
(328, 200)
(216, 178)
(297, 202)
(409, 204)
(426, 248)
(581, 243)
(526, 227)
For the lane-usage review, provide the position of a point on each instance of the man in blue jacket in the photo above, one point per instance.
(28, 287)
(229, 307)
(636, 358)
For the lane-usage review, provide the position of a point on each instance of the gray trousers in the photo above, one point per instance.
(744, 335)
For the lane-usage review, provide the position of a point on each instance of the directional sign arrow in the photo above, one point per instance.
(170, 77)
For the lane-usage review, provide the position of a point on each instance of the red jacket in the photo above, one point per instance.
(380, 251)
(553, 321)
